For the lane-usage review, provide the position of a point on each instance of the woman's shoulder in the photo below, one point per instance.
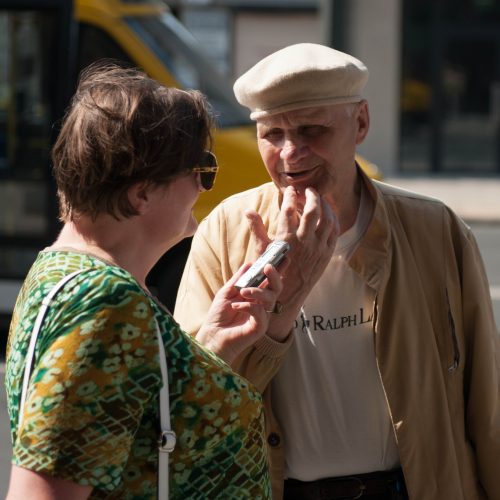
(94, 276)
(98, 289)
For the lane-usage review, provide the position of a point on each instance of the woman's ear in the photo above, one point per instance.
(139, 196)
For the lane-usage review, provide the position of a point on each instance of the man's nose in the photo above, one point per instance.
(292, 149)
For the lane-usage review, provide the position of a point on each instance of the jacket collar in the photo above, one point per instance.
(371, 260)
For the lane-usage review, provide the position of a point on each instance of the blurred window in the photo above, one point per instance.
(471, 10)
(26, 117)
(27, 66)
(450, 93)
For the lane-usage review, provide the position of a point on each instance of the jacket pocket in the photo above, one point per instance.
(455, 361)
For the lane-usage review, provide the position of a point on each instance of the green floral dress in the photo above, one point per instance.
(91, 415)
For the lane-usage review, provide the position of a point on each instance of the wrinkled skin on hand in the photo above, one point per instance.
(311, 228)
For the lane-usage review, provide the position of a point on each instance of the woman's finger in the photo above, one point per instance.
(254, 310)
(274, 282)
(228, 290)
(242, 269)
(265, 295)
(262, 296)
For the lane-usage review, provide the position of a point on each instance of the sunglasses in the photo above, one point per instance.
(208, 170)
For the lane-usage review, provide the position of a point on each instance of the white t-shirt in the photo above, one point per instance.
(327, 395)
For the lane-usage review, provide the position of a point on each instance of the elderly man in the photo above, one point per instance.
(381, 367)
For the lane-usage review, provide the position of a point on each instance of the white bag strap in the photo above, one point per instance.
(28, 366)
(166, 442)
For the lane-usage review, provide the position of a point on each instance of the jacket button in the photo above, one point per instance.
(273, 439)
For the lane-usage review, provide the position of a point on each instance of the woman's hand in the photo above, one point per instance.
(237, 318)
(312, 232)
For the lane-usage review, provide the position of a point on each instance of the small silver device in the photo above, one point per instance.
(273, 254)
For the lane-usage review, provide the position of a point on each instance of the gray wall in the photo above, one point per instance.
(374, 36)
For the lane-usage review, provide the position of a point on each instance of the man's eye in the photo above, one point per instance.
(311, 130)
(274, 133)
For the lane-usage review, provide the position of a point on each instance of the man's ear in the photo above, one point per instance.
(362, 121)
(139, 196)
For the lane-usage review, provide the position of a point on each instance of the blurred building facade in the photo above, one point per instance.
(434, 88)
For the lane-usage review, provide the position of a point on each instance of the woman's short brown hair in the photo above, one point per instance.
(122, 127)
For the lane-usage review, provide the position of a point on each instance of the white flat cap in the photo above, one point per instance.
(300, 76)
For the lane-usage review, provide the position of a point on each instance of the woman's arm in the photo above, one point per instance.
(25, 484)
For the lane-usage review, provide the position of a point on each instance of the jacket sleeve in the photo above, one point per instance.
(216, 253)
(482, 368)
(201, 279)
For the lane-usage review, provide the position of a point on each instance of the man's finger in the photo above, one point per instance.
(288, 219)
(258, 230)
(311, 215)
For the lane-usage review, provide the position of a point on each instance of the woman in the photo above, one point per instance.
(127, 166)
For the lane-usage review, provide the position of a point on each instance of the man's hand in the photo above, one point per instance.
(312, 232)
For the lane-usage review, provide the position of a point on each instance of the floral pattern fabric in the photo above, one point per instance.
(91, 414)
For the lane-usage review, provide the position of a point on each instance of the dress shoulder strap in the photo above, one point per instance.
(28, 366)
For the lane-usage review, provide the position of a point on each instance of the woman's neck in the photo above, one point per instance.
(110, 240)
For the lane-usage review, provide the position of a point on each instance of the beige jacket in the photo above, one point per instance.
(436, 344)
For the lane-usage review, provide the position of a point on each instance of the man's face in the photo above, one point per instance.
(313, 147)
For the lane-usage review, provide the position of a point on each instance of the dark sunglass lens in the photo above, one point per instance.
(210, 160)
(207, 180)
